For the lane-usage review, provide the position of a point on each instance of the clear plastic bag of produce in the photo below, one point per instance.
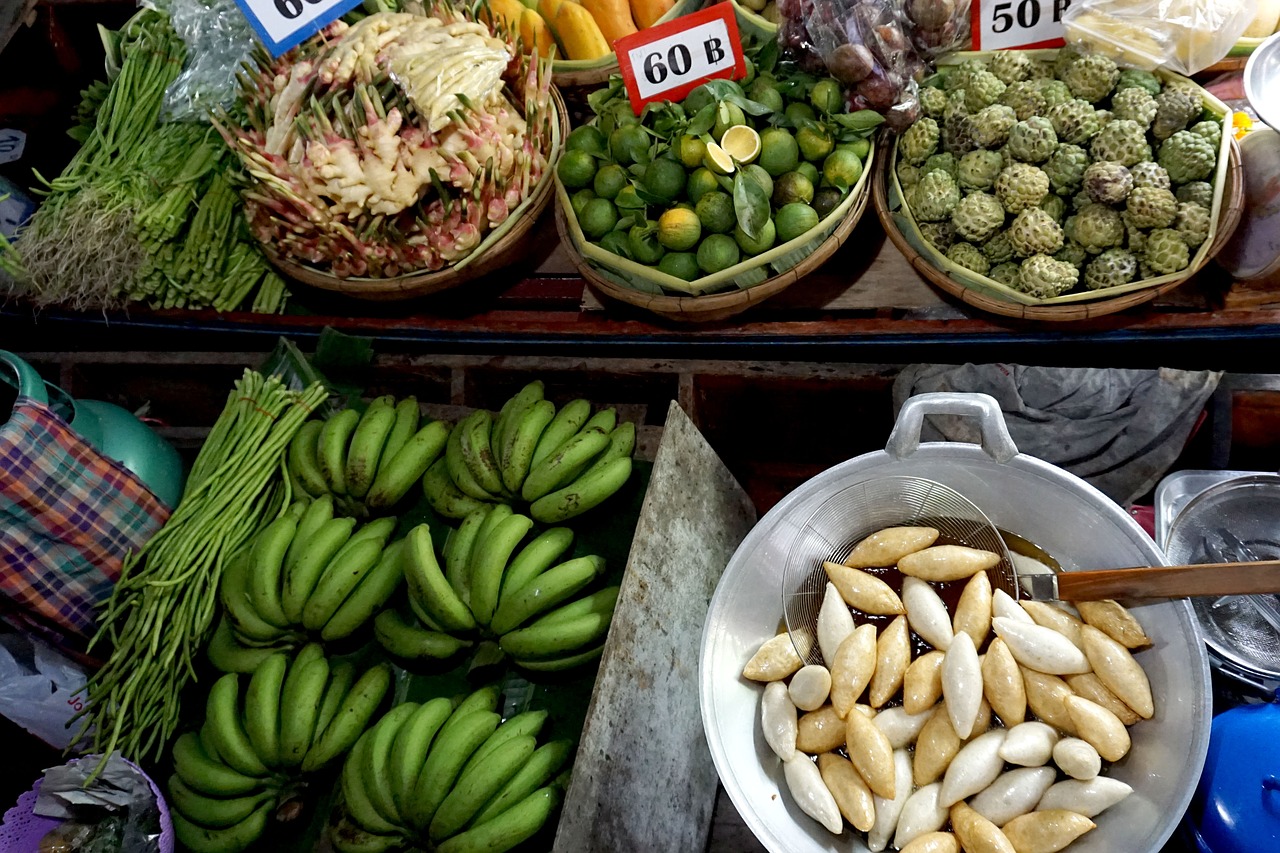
(861, 43)
(218, 39)
(937, 26)
(1184, 36)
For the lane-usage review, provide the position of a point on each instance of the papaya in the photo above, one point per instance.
(612, 16)
(575, 29)
(507, 14)
(535, 34)
(647, 12)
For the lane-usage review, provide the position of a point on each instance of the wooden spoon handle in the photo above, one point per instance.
(1171, 581)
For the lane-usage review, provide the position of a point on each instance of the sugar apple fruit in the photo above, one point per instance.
(1149, 174)
(939, 234)
(944, 162)
(1210, 130)
(1033, 232)
(1072, 253)
(970, 257)
(998, 249)
(1091, 77)
(933, 101)
(1096, 227)
(982, 89)
(1041, 276)
(1075, 121)
(957, 135)
(934, 197)
(1134, 104)
(1187, 156)
(991, 125)
(1055, 92)
(1006, 273)
(1011, 66)
(908, 175)
(919, 141)
(1123, 141)
(1166, 252)
(1137, 78)
(1175, 109)
(977, 216)
(978, 169)
(1196, 192)
(1032, 140)
(1064, 57)
(1025, 99)
(1054, 205)
(1020, 186)
(1108, 182)
(1192, 223)
(1065, 168)
(1112, 268)
(1151, 207)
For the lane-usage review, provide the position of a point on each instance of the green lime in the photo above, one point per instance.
(643, 241)
(842, 169)
(587, 138)
(701, 182)
(576, 169)
(798, 111)
(616, 242)
(624, 115)
(598, 218)
(827, 96)
(779, 151)
(860, 147)
(579, 200)
(679, 229)
(792, 187)
(683, 265)
(794, 219)
(690, 149)
(727, 115)
(610, 180)
(826, 200)
(763, 92)
(809, 170)
(750, 76)
(628, 144)
(697, 100)
(757, 173)
(717, 252)
(761, 243)
(628, 199)
(664, 178)
(715, 212)
(814, 143)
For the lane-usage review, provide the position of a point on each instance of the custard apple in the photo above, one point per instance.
(1081, 200)
(1025, 98)
(1148, 174)
(1065, 168)
(1123, 141)
(1196, 192)
(1032, 140)
(1187, 156)
(991, 125)
(1135, 240)
(1192, 223)
(1062, 61)
(908, 175)
(1112, 268)
(1166, 252)
(1072, 253)
(1136, 78)
(1104, 117)
(1011, 66)
(939, 234)
(955, 106)
(1175, 109)
(1210, 130)
(970, 257)
(1055, 206)
(1149, 207)
(998, 249)
(1054, 92)
(919, 141)
(977, 216)
(1092, 77)
(935, 197)
(1006, 273)
(1134, 104)
(1034, 232)
(958, 76)
(982, 89)
(1096, 227)
(1020, 186)
(978, 169)
(1043, 277)
(1074, 121)
(943, 162)
(957, 135)
(1107, 182)
(933, 101)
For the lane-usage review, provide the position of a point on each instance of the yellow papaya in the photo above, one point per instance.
(535, 34)
(647, 12)
(578, 32)
(612, 16)
(507, 13)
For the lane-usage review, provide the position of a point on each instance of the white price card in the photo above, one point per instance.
(1005, 24)
(667, 62)
(282, 24)
(12, 144)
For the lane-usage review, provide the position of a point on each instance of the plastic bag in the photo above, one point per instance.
(1183, 36)
(864, 45)
(40, 689)
(218, 39)
(937, 26)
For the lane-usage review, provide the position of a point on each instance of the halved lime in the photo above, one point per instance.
(727, 115)
(717, 160)
(742, 143)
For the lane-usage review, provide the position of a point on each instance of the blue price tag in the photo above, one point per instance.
(282, 24)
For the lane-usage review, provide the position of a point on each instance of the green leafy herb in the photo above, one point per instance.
(703, 121)
(750, 204)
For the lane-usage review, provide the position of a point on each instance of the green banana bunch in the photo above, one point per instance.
(562, 463)
(318, 574)
(366, 462)
(540, 608)
(295, 716)
(446, 777)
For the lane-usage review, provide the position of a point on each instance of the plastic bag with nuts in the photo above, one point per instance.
(937, 26)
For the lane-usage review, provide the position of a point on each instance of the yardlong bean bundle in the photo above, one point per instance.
(162, 607)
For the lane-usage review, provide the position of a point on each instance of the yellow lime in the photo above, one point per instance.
(579, 200)
(757, 173)
(727, 115)
(691, 150)
(643, 242)
(827, 96)
(761, 243)
(715, 212)
(701, 182)
(779, 152)
(664, 178)
(814, 143)
(610, 180)
(742, 143)
(716, 253)
(826, 200)
(598, 218)
(792, 187)
(682, 265)
(679, 229)
(717, 160)
(794, 219)
(628, 144)
(798, 111)
(576, 169)
(809, 170)
(616, 242)
(587, 138)
(842, 169)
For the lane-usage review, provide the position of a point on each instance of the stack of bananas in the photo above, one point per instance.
(368, 462)
(563, 463)
(307, 571)
(459, 779)
(297, 716)
(484, 590)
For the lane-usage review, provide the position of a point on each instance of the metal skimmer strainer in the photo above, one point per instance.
(857, 511)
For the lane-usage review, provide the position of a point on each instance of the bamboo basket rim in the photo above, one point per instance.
(490, 254)
(592, 72)
(989, 295)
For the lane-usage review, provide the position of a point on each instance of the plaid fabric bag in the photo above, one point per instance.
(68, 517)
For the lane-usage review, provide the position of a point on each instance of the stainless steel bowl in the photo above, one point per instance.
(1057, 511)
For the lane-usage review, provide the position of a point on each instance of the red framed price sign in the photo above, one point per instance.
(1022, 24)
(667, 62)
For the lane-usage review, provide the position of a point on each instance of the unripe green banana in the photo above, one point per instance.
(369, 596)
(228, 655)
(453, 746)
(564, 426)
(213, 812)
(367, 441)
(315, 555)
(548, 589)
(489, 560)
(353, 716)
(335, 435)
(511, 413)
(409, 751)
(529, 723)
(233, 839)
(408, 416)
(296, 509)
(476, 787)
(534, 559)
(262, 708)
(543, 642)
(443, 496)
(537, 771)
(317, 514)
(303, 463)
(266, 562)
(564, 464)
(375, 766)
(398, 475)
(521, 441)
(561, 664)
(347, 837)
(481, 699)
(209, 775)
(340, 577)
(428, 585)
(605, 419)
(601, 601)
(457, 559)
(622, 442)
(358, 804)
(341, 676)
(459, 473)
(222, 716)
(518, 823)
(587, 492)
(477, 452)
(410, 642)
(300, 702)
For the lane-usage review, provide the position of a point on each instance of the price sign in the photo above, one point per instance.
(1004, 24)
(667, 62)
(12, 144)
(282, 24)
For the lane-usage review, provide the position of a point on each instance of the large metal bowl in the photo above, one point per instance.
(1062, 514)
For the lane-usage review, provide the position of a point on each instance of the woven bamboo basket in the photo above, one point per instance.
(990, 295)
(578, 73)
(498, 249)
(752, 281)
